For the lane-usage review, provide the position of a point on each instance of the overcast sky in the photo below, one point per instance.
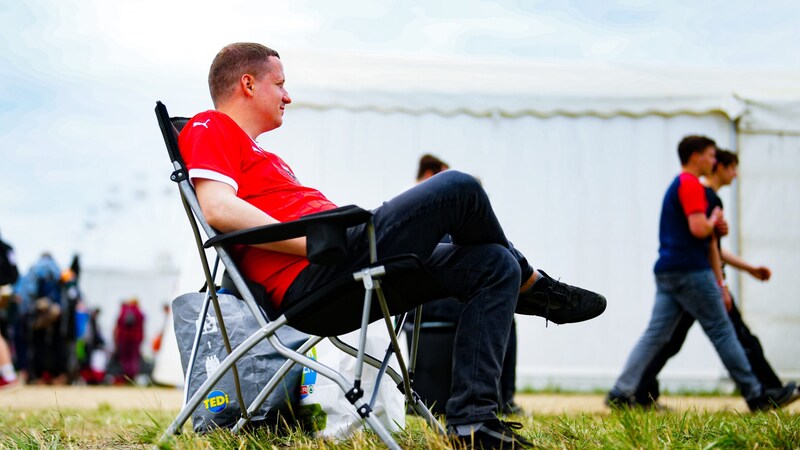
(79, 78)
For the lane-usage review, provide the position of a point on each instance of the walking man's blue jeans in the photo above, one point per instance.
(480, 267)
(695, 293)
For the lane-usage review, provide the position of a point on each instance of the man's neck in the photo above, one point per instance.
(714, 183)
(692, 170)
(242, 119)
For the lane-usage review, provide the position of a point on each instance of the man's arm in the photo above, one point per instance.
(701, 226)
(760, 272)
(716, 266)
(226, 212)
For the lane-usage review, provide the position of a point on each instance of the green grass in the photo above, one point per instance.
(107, 428)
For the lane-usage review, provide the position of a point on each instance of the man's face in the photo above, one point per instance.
(705, 160)
(270, 95)
(726, 174)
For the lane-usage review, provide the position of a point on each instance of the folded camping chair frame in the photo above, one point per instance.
(413, 283)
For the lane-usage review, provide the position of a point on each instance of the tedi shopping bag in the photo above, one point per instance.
(221, 408)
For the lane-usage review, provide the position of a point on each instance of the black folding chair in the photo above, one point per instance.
(323, 313)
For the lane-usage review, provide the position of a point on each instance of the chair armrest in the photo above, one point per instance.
(344, 217)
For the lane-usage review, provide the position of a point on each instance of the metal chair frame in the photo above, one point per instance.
(370, 277)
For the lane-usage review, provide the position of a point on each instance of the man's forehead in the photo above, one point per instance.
(275, 66)
(275, 63)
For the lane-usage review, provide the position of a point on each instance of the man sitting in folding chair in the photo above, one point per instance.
(239, 185)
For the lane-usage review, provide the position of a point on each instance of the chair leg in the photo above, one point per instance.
(213, 378)
(397, 378)
(193, 356)
(393, 337)
(412, 354)
(273, 383)
(382, 432)
(361, 406)
(426, 414)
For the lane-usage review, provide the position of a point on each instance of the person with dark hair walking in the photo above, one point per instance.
(686, 285)
(647, 393)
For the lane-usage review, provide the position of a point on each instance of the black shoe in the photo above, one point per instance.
(775, 398)
(493, 434)
(559, 302)
(618, 401)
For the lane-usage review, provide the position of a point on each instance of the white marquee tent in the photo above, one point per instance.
(575, 159)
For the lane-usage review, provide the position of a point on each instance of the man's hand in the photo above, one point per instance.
(701, 226)
(726, 298)
(721, 226)
(761, 272)
(716, 215)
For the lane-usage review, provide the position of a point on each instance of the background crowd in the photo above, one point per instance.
(51, 334)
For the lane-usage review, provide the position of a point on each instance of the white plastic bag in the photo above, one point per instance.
(322, 402)
(98, 360)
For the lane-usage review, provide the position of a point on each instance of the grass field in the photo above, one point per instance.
(104, 427)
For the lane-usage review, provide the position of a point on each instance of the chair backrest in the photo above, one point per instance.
(170, 130)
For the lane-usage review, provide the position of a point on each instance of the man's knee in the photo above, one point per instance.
(501, 263)
(459, 181)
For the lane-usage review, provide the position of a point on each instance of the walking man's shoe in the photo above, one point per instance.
(617, 401)
(559, 302)
(775, 398)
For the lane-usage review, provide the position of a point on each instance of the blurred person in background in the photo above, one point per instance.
(37, 340)
(93, 360)
(128, 338)
(440, 318)
(8, 276)
(68, 327)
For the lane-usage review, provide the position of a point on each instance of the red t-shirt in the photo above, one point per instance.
(215, 147)
(679, 249)
(692, 194)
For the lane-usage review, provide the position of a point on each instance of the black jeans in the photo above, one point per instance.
(480, 268)
(648, 389)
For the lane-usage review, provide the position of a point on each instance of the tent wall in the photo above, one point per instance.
(770, 222)
(579, 195)
(575, 158)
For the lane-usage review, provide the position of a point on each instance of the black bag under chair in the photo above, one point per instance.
(325, 313)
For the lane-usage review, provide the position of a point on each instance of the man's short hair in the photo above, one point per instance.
(725, 158)
(231, 63)
(430, 163)
(691, 145)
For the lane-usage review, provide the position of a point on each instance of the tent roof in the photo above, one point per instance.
(510, 88)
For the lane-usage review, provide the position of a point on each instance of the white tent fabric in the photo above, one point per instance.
(510, 88)
(576, 160)
(771, 117)
(770, 224)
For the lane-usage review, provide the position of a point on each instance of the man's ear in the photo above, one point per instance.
(247, 83)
